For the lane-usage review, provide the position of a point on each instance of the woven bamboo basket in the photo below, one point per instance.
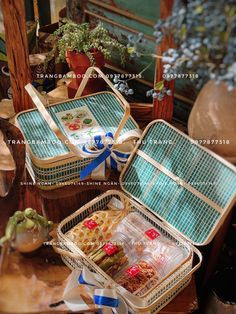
(183, 189)
(54, 160)
(168, 287)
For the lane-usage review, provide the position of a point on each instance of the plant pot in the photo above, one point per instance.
(30, 240)
(213, 120)
(79, 63)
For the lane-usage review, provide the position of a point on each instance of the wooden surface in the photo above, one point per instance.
(164, 109)
(17, 51)
(30, 283)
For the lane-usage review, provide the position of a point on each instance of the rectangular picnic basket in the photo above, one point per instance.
(52, 159)
(181, 188)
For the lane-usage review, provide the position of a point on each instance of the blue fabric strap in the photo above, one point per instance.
(94, 164)
(105, 301)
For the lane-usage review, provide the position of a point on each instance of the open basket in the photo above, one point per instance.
(181, 188)
(52, 157)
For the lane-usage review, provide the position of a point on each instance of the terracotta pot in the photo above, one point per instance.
(213, 118)
(79, 63)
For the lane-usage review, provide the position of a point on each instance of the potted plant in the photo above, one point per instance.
(83, 47)
(205, 37)
(26, 230)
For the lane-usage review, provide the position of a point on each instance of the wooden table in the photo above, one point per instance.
(30, 283)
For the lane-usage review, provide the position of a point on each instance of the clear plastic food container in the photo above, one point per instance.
(140, 276)
(127, 226)
(112, 256)
(94, 229)
(168, 255)
(146, 239)
(135, 221)
(135, 226)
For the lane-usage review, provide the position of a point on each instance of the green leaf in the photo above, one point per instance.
(232, 11)
(182, 31)
(223, 36)
(199, 9)
(200, 28)
(131, 50)
(159, 85)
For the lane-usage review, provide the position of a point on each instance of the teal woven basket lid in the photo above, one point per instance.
(184, 184)
(43, 142)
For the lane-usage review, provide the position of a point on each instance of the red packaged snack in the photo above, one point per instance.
(138, 275)
(112, 256)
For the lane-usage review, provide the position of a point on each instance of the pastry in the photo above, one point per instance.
(95, 229)
(136, 276)
(109, 258)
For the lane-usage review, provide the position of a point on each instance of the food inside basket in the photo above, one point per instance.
(97, 228)
(110, 263)
(148, 239)
(136, 277)
(119, 241)
(168, 255)
(112, 256)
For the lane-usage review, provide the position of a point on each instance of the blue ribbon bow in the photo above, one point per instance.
(104, 152)
(107, 298)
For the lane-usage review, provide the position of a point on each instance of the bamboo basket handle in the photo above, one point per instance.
(118, 94)
(40, 103)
